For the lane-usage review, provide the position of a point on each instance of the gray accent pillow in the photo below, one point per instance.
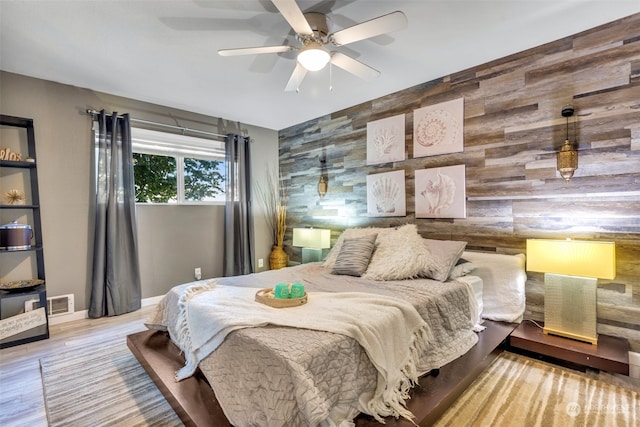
(354, 256)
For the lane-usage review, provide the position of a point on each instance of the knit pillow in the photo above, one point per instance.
(354, 255)
(400, 254)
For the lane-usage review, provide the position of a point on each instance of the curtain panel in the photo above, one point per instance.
(238, 231)
(115, 287)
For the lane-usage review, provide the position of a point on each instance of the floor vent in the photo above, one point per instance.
(60, 305)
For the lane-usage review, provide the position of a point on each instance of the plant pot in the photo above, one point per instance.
(277, 258)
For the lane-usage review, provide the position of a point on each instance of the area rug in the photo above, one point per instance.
(102, 385)
(518, 391)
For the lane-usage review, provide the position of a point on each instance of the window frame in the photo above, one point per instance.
(178, 146)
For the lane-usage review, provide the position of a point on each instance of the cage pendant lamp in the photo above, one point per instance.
(568, 155)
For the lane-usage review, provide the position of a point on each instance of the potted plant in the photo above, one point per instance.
(274, 201)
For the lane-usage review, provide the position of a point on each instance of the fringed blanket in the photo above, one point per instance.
(394, 338)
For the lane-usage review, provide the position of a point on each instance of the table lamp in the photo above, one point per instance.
(571, 271)
(312, 241)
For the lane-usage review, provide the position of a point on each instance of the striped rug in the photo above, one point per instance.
(518, 391)
(102, 385)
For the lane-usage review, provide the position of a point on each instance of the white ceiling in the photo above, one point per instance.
(165, 52)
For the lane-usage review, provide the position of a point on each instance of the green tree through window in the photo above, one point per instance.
(202, 179)
(156, 179)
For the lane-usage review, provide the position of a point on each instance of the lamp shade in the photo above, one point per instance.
(313, 238)
(572, 257)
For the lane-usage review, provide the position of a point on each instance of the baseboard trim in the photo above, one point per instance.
(84, 314)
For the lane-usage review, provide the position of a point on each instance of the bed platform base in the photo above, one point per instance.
(196, 405)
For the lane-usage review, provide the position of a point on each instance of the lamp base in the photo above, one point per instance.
(311, 255)
(570, 304)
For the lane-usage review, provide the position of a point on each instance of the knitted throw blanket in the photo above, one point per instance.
(389, 329)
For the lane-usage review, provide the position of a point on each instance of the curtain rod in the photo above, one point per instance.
(180, 128)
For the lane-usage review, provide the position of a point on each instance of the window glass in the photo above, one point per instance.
(203, 180)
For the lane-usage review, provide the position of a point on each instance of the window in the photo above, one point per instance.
(177, 169)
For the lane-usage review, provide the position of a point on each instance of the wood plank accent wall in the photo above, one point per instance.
(512, 131)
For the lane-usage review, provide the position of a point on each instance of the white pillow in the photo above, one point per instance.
(399, 254)
(503, 279)
(462, 268)
(446, 254)
(349, 233)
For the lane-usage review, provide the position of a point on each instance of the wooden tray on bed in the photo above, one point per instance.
(265, 296)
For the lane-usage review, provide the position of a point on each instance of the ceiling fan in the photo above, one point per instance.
(312, 32)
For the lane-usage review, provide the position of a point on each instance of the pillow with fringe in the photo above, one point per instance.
(399, 255)
(354, 256)
(446, 254)
(349, 233)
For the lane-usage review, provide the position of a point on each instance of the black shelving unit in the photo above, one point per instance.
(20, 302)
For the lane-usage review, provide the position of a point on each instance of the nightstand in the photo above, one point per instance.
(611, 354)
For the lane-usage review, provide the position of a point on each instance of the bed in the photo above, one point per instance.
(289, 368)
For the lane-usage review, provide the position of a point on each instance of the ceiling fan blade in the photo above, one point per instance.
(254, 50)
(296, 78)
(354, 66)
(294, 16)
(374, 27)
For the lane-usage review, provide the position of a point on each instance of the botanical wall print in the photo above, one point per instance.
(438, 129)
(385, 140)
(440, 192)
(385, 194)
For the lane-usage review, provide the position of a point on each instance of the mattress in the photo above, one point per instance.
(477, 285)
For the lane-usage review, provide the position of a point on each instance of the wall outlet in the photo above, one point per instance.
(260, 262)
(197, 273)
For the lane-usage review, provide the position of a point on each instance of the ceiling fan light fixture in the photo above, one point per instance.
(313, 57)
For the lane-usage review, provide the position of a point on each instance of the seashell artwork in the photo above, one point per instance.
(438, 129)
(440, 192)
(386, 194)
(385, 140)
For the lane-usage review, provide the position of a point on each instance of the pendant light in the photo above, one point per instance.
(568, 155)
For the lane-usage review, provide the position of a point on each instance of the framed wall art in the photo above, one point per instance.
(386, 194)
(439, 129)
(440, 192)
(385, 140)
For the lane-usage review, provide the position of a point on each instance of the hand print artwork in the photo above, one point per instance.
(440, 192)
(386, 195)
(385, 140)
(438, 129)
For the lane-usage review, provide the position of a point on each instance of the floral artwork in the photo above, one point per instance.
(386, 195)
(385, 140)
(440, 192)
(438, 129)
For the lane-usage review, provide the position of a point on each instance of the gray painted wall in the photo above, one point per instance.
(172, 239)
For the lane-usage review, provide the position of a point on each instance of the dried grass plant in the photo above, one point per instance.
(274, 201)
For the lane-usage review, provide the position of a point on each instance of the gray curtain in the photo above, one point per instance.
(238, 231)
(116, 277)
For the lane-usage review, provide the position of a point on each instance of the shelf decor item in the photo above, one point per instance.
(20, 285)
(571, 270)
(14, 197)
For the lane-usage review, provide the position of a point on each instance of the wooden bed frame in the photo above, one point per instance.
(196, 404)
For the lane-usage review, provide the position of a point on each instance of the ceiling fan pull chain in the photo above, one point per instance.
(330, 77)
